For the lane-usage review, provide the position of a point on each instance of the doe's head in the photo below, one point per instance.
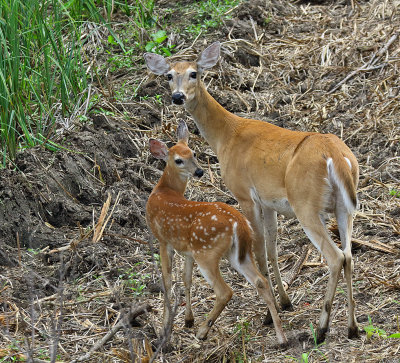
(183, 77)
(179, 158)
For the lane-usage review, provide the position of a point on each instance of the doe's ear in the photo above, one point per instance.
(158, 149)
(209, 57)
(182, 132)
(156, 63)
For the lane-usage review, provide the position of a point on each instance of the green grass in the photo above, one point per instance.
(42, 75)
(210, 14)
(43, 65)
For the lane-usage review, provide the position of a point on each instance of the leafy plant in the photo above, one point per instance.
(155, 45)
(306, 355)
(395, 193)
(242, 327)
(372, 330)
(134, 281)
(210, 14)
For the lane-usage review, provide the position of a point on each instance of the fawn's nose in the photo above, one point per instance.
(178, 98)
(198, 173)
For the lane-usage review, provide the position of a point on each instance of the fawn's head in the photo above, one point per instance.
(179, 158)
(184, 77)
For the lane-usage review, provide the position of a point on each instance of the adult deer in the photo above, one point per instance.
(202, 232)
(273, 170)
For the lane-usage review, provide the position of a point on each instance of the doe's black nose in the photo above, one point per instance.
(199, 172)
(178, 98)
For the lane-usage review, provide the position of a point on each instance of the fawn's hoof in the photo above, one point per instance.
(354, 332)
(189, 323)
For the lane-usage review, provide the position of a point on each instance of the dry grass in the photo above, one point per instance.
(302, 55)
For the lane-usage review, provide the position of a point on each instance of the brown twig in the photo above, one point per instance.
(293, 273)
(371, 65)
(125, 321)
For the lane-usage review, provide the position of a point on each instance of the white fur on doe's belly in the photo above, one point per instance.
(282, 206)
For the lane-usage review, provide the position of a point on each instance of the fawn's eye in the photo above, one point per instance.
(178, 161)
(193, 75)
(169, 77)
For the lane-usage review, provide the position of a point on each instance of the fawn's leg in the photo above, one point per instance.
(187, 279)
(166, 256)
(223, 293)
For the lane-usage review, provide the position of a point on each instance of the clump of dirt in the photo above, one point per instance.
(282, 62)
(50, 191)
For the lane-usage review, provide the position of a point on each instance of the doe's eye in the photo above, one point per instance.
(193, 75)
(169, 77)
(178, 161)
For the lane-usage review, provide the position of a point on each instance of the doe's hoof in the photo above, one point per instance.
(189, 323)
(268, 319)
(321, 334)
(201, 336)
(354, 332)
(284, 345)
(287, 306)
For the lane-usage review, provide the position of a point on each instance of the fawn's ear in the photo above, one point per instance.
(156, 63)
(182, 132)
(209, 57)
(158, 149)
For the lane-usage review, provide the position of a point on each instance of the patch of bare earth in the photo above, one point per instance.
(76, 256)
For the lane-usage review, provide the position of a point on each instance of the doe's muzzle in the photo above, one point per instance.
(178, 98)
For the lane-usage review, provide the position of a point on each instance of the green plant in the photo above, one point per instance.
(210, 14)
(134, 281)
(306, 355)
(13, 353)
(43, 76)
(155, 45)
(242, 327)
(34, 251)
(373, 331)
(119, 61)
(395, 193)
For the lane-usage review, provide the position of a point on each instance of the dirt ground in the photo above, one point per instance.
(65, 281)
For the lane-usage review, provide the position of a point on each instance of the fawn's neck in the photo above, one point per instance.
(170, 180)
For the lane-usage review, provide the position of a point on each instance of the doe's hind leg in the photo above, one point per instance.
(249, 270)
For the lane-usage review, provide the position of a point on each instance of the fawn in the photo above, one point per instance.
(202, 232)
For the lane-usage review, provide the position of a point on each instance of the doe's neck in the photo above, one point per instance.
(216, 124)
